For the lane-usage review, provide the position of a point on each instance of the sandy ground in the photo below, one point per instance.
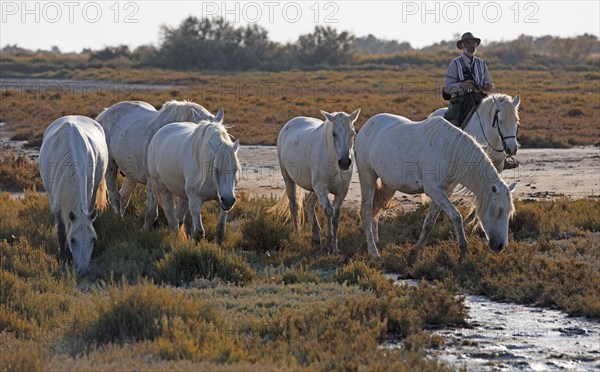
(542, 174)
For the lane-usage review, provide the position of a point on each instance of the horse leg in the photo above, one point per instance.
(63, 253)
(221, 225)
(384, 195)
(126, 191)
(152, 208)
(367, 180)
(312, 212)
(113, 188)
(290, 190)
(375, 228)
(166, 197)
(183, 215)
(195, 205)
(432, 215)
(440, 198)
(338, 200)
(322, 193)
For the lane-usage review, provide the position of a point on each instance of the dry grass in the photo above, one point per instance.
(559, 109)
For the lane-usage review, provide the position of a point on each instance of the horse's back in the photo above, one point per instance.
(123, 117)
(68, 142)
(387, 143)
(299, 126)
(170, 147)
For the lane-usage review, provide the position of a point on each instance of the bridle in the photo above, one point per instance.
(495, 124)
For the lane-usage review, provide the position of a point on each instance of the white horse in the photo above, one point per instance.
(129, 127)
(73, 160)
(429, 157)
(494, 125)
(196, 162)
(317, 156)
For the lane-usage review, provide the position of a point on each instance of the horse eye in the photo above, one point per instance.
(334, 134)
(72, 240)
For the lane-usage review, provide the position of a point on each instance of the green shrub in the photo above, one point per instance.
(264, 233)
(358, 273)
(189, 261)
(145, 312)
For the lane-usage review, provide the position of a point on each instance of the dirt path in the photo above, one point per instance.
(542, 174)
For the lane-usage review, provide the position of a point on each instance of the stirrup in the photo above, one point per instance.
(510, 163)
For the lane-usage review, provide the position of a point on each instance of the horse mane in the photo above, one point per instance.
(203, 133)
(469, 161)
(328, 133)
(66, 187)
(182, 111)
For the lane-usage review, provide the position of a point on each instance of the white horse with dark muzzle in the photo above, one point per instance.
(73, 160)
(196, 162)
(316, 156)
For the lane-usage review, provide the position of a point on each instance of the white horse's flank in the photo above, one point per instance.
(196, 162)
(429, 157)
(129, 127)
(317, 156)
(73, 160)
(481, 127)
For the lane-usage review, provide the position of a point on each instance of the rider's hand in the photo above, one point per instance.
(488, 87)
(468, 84)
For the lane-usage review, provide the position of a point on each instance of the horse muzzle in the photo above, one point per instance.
(227, 203)
(83, 271)
(510, 151)
(345, 163)
(497, 247)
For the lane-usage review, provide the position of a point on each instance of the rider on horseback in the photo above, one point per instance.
(468, 81)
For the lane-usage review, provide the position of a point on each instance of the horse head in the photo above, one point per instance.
(226, 167)
(81, 239)
(343, 133)
(494, 214)
(506, 122)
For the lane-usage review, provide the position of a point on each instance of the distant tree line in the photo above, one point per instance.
(216, 44)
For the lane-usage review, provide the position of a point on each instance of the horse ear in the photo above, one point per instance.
(494, 189)
(213, 147)
(220, 114)
(513, 185)
(196, 116)
(236, 146)
(497, 103)
(354, 115)
(328, 116)
(517, 101)
(71, 216)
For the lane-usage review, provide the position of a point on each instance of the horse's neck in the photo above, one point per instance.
(480, 127)
(327, 142)
(84, 172)
(480, 181)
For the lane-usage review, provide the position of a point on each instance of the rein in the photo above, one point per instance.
(495, 124)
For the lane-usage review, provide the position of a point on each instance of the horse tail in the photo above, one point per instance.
(382, 199)
(102, 195)
(282, 211)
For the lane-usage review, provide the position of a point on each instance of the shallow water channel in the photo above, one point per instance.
(506, 336)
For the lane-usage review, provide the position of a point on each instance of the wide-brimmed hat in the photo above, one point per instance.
(467, 36)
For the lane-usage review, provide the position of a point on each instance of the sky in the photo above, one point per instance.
(74, 25)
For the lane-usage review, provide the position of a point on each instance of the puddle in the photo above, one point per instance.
(507, 336)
